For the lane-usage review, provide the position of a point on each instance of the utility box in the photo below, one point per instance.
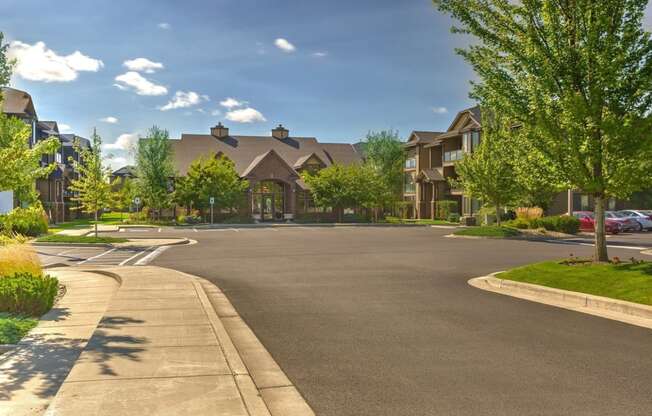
(468, 221)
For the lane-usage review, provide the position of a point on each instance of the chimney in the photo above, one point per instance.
(280, 132)
(220, 131)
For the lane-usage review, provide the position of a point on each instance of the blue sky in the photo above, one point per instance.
(331, 69)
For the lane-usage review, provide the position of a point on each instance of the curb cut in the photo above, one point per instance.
(614, 309)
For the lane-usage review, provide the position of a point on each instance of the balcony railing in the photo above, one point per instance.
(453, 155)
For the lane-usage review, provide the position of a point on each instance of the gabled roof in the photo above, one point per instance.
(430, 175)
(473, 112)
(242, 150)
(260, 158)
(18, 103)
(70, 139)
(49, 127)
(125, 171)
(303, 159)
(422, 137)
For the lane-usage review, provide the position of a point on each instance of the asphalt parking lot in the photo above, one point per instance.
(381, 321)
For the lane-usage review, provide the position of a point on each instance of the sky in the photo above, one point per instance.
(331, 69)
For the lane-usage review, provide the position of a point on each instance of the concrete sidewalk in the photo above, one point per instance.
(162, 349)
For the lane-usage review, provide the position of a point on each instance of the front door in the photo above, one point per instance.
(268, 208)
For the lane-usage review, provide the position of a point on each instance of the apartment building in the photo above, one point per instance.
(430, 163)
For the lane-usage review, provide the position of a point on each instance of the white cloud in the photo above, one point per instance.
(232, 103)
(115, 163)
(125, 141)
(140, 84)
(39, 63)
(284, 45)
(110, 120)
(216, 113)
(164, 26)
(142, 65)
(320, 54)
(440, 110)
(183, 100)
(245, 115)
(64, 128)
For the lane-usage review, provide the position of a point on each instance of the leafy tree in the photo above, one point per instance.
(93, 188)
(123, 194)
(155, 169)
(576, 76)
(184, 193)
(488, 173)
(385, 154)
(343, 186)
(6, 66)
(20, 164)
(212, 177)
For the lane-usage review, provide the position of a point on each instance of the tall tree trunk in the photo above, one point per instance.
(498, 215)
(600, 238)
(96, 223)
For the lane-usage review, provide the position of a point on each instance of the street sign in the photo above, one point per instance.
(212, 200)
(137, 200)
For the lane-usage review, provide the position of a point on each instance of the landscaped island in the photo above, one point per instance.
(631, 281)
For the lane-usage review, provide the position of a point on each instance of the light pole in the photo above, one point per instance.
(212, 202)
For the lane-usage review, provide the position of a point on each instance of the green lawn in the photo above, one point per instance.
(488, 231)
(58, 238)
(630, 282)
(13, 328)
(108, 218)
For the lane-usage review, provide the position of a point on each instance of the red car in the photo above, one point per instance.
(587, 222)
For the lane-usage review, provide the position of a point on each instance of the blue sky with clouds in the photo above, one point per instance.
(331, 69)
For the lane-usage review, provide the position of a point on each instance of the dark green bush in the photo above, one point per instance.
(561, 223)
(27, 294)
(445, 208)
(520, 223)
(453, 217)
(30, 221)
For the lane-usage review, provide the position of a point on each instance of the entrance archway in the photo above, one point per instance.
(268, 199)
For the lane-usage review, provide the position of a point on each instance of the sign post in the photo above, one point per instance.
(137, 202)
(212, 202)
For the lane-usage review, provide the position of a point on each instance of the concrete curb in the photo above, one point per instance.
(295, 225)
(619, 310)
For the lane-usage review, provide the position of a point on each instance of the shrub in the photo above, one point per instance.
(18, 258)
(189, 219)
(445, 208)
(562, 223)
(27, 294)
(5, 240)
(453, 217)
(568, 224)
(30, 221)
(520, 223)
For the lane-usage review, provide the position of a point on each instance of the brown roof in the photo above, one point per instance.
(17, 102)
(431, 174)
(422, 137)
(244, 150)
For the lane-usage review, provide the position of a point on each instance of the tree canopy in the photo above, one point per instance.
(576, 77)
(93, 190)
(6, 66)
(214, 177)
(155, 169)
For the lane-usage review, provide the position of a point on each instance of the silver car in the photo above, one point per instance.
(642, 217)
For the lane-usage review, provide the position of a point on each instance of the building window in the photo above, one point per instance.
(475, 140)
(584, 203)
(453, 155)
(409, 186)
(411, 163)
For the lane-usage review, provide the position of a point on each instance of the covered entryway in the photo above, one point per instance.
(269, 200)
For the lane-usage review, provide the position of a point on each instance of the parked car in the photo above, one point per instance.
(643, 218)
(587, 223)
(626, 223)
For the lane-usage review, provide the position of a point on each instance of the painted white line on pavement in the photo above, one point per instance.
(151, 256)
(159, 230)
(98, 256)
(234, 229)
(133, 257)
(194, 229)
(592, 245)
(121, 230)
